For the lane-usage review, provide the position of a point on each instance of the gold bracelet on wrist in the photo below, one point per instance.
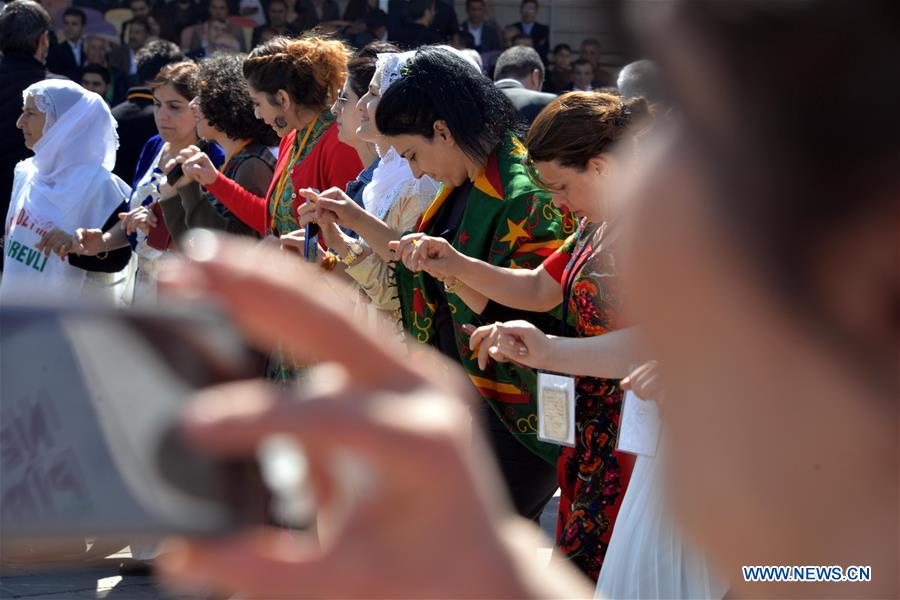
(452, 285)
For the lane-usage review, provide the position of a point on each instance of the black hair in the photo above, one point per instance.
(468, 2)
(582, 61)
(466, 37)
(361, 67)
(416, 9)
(375, 20)
(100, 70)
(153, 57)
(518, 62)
(439, 85)
(142, 21)
(559, 47)
(22, 23)
(76, 12)
(225, 100)
(520, 36)
(524, 2)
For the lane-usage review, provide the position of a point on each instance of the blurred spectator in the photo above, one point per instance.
(358, 15)
(539, 33)
(485, 34)
(178, 15)
(583, 76)
(519, 74)
(67, 57)
(95, 78)
(141, 9)
(278, 22)
(24, 43)
(462, 40)
(253, 10)
(298, 17)
(96, 53)
(509, 34)
(445, 22)
(590, 51)
(522, 39)
(640, 79)
(135, 114)
(135, 34)
(416, 31)
(320, 11)
(559, 73)
(376, 29)
(214, 33)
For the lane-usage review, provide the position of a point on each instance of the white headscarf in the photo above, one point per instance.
(393, 178)
(66, 185)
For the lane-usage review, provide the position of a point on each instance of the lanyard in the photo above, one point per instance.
(233, 154)
(282, 181)
(569, 283)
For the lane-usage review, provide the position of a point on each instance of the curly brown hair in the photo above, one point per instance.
(311, 69)
(226, 103)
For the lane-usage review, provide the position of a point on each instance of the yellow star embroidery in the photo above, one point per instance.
(516, 231)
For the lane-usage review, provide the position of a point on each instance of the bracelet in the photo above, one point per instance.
(452, 285)
(329, 261)
(105, 249)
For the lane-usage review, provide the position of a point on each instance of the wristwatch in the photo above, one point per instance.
(354, 250)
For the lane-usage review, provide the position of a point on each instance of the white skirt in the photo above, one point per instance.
(648, 558)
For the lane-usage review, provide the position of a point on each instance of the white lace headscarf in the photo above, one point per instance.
(393, 178)
(79, 131)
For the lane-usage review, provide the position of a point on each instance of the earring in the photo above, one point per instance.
(280, 122)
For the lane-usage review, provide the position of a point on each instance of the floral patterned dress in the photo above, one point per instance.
(592, 476)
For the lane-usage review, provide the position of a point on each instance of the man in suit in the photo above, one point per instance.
(67, 57)
(486, 35)
(135, 34)
(417, 29)
(539, 33)
(277, 22)
(135, 115)
(520, 75)
(24, 43)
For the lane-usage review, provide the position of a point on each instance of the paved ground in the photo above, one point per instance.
(104, 581)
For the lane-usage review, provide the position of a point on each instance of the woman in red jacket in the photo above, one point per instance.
(292, 82)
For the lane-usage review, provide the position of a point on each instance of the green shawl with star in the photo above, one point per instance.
(509, 222)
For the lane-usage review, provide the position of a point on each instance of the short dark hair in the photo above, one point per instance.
(524, 2)
(416, 9)
(581, 62)
(468, 2)
(520, 36)
(466, 37)
(97, 70)
(154, 56)
(225, 100)
(361, 67)
(559, 47)
(76, 12)
(439, 85)
(22, 23)
(518, 62)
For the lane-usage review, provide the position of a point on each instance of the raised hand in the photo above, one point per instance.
(436, 256)
(197, 167)
(140, 218)
(88, 242)
(514, 341)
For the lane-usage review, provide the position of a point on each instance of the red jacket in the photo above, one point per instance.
(330, 163)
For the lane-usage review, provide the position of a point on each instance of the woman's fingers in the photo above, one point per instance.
(276, 300)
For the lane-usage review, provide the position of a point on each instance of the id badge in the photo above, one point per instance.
(639, 426)
(556, 409)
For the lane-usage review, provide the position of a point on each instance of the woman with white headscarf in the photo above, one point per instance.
(67, 184)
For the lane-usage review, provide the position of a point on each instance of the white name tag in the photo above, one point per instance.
(556, 409)
(639, 426)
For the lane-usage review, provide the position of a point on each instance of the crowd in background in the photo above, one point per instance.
(466, 190)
